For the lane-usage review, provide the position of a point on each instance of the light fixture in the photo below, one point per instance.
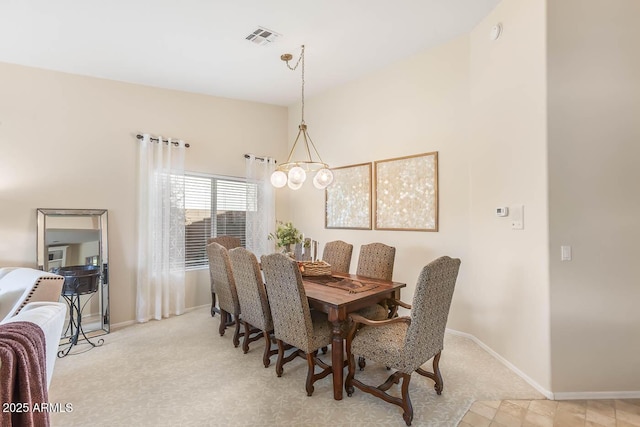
(293, 173)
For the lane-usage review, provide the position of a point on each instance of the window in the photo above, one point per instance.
(214, 206)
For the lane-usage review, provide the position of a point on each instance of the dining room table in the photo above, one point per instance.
(339, 294)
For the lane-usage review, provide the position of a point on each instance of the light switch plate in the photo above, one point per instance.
(565, 253)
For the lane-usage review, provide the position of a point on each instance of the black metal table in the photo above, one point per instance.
(78, 281)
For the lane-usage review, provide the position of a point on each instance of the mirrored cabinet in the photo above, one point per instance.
(74, 244)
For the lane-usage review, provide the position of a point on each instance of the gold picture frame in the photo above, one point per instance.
(348, 198)
(406, 193)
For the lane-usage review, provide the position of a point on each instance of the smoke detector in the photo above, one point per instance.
(262, 36)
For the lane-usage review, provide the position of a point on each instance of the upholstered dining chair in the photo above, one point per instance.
(376, 261)
(225, 287)
(406, 343)
(294, 323)
(338, 255)
(252, 296)
(229, 242)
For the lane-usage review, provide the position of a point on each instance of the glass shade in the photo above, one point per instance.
(323, 178)
(297, 175)
(278, 179)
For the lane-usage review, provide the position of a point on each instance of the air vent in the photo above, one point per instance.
(262, 36)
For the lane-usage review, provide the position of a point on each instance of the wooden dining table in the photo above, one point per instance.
(338, 303)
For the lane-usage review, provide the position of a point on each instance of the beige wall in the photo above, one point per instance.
(69, 142)
(481, 105)
(509, 300)
(594, 204)
(415, 106)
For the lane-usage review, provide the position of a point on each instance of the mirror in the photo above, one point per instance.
(74, 242)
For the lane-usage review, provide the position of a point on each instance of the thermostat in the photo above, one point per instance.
(504, 211)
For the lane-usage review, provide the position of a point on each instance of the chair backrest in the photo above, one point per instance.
(229, 242)
(224, 284)
(430, 309)
(376, 261)
(288, 301)
(338, 255)
(252, 295)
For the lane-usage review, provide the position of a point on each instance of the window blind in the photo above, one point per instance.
(214, 206)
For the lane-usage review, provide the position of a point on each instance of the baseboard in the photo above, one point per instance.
(120, 325)
(595, 395)
(126, 323)
(587, 395)
(505, 362)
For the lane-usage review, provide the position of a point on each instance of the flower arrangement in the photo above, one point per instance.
(286, 235)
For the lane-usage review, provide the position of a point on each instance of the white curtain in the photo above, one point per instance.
(261, 205)
(161, 277)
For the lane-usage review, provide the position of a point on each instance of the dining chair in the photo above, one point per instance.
(293, 321)
(224, 286)
(406, 343)
(252, 296)
(376, 261)
(228, 242)
(338, 254)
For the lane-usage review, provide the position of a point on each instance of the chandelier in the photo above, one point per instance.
(293, 173)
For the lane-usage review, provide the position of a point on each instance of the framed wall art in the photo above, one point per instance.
(348, 198)
(406, 193)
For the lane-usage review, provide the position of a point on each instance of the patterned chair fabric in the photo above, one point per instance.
(376, 260)
(293, 321)
(229, 242)
(224, 286)
(252, 297)
(338, 255)
(406, 343)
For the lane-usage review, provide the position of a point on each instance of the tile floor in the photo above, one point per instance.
(550, 413)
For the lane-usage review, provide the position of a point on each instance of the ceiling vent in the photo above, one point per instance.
(262, 36)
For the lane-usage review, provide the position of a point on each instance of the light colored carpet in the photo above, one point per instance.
(180, 372)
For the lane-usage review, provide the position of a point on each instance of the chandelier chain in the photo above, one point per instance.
(295, 67)
(302, 57)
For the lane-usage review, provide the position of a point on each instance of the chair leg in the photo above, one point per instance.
(311, 368)
(280, 361)
(312, 377)
(213, 304)
(223, 322)
(236, 333)
(266, 357)
(348, 384)
(435, 375)
(245, 340)
(406, 400)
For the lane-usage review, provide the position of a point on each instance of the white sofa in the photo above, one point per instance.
(29, 295)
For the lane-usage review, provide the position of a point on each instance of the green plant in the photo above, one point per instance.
(286, 234)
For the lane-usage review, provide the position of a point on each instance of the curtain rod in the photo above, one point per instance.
(247, 156)
(155, 139)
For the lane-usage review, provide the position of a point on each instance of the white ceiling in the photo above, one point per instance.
(199, 45)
